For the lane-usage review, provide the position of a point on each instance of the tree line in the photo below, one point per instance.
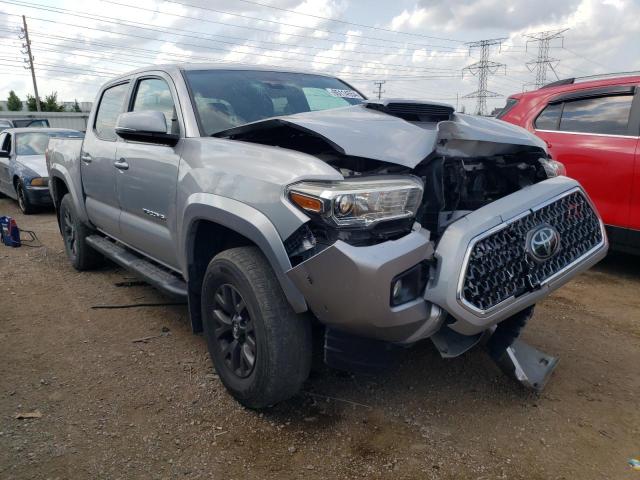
(50, 104)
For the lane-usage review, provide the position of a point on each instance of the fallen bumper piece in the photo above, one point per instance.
(527, 365)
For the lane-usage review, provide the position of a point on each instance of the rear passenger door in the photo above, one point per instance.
(592, 133)
(97, 161)
(147, 186)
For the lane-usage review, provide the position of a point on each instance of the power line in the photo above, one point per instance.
(119, 21)
(384, 67)
(249, 17)
(482, 69)
(588, 59)
(543, 62)
(344, 22)
(133, 52)
(420, 47)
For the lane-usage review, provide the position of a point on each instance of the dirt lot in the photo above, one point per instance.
(114, 408)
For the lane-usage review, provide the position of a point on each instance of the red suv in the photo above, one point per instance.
(592, 126)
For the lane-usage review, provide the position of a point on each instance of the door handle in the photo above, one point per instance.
(86, 158)
(121, 164)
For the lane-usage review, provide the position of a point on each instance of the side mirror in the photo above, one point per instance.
(4, 154)
(148, 127)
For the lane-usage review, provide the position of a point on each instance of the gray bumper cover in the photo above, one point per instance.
(348, 287)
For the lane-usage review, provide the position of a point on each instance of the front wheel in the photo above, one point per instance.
(259, 346)
(23, 200)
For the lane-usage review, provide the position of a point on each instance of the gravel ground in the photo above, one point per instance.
(112, 407)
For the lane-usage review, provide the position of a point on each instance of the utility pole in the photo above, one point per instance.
(27, 51)
(543, 61)
(482, 69)
(379, 90)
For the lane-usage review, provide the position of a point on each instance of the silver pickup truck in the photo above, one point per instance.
(276, 201)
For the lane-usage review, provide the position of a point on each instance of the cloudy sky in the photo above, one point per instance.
(417, 46)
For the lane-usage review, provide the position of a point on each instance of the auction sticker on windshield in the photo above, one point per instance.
(342, 93)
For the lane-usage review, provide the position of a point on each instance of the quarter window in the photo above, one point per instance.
(604, 115)
(153, 94)
(111, 105)
(549, 118)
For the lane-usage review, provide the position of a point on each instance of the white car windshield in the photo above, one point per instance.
(225, 99)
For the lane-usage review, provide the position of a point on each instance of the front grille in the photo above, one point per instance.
(499, 266)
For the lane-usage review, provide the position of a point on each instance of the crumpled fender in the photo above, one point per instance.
(246, 221)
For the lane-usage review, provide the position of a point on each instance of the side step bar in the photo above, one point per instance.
(160, 278)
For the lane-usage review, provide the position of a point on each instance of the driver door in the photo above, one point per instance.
(147, 176)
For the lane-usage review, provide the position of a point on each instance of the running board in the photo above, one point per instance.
(158, 277)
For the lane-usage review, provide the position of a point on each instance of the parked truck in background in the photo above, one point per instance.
(273, 200)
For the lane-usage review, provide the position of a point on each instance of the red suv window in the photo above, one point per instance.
(607, 115)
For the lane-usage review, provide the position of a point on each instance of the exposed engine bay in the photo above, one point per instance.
(456, 182)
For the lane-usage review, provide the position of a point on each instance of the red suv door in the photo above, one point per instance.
(594, 132)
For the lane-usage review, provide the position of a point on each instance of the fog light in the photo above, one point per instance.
(409, 285)
(397, 287)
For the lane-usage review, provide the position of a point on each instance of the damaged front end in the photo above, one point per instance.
(402, 248)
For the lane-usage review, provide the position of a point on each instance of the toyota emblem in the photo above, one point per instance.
(543, 243)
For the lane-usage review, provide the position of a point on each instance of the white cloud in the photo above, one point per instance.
(601, 36)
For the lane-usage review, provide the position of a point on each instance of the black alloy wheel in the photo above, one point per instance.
(234, 331)
(69, 233)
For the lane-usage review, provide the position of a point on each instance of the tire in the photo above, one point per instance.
(74, 232)
(23, 200)
(243, 302)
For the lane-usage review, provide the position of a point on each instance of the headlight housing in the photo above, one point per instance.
(553, 168)
(361, 202)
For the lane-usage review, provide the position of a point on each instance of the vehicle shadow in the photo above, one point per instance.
(617, 263)
(420, 381)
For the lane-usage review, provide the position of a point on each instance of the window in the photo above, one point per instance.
(549, 118)
(6, 143)
(511, 102)
(110, 107)
(322, 99)
(35, 143)
(153, 94)
(228, 98)
(604, 115)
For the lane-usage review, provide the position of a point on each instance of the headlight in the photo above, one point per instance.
(39, 182)
(359, 202)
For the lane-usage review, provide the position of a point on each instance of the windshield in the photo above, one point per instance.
(35, 143)
(225, 99)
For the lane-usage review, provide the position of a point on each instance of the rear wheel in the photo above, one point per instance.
(23, 200)
(74, 233)
(259, 346)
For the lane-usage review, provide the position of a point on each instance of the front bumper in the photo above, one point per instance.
(348, 288)
(38, 195)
